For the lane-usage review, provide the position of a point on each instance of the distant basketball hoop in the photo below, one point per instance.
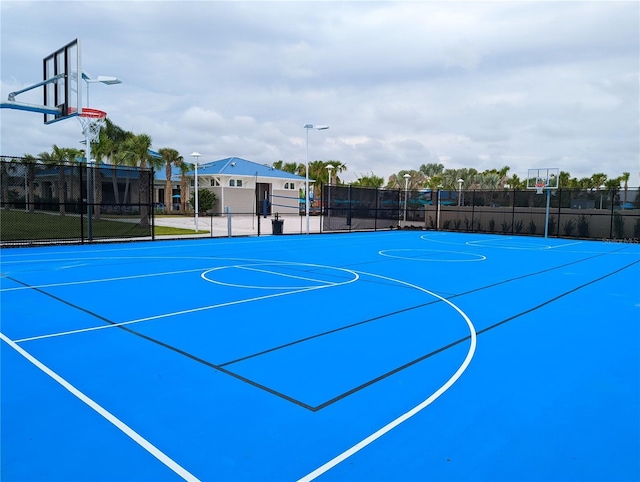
(544, 179)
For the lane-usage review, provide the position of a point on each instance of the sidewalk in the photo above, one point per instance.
(239, 225)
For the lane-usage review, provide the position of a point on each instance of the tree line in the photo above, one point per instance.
(118, 147)
(436, 176)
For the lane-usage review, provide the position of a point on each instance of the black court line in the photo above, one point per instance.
(165, 345)
(221, 367)
(466, 338)
(393, 313)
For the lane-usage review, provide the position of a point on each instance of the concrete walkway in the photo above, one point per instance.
(239, 225)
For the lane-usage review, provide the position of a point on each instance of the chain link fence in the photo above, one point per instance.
(73, 203)
(609, 214)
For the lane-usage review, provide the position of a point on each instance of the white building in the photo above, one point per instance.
(240, 185)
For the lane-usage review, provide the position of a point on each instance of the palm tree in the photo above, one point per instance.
(338, 167)
(135, 152)
(625, 178)
(73, 158)
(417, 180)
(171, 158)
(31, 162)
(598, 179)
(514, 182)
(184, 167)
(319, 173)
(563, 179)
(432, 169)
(58, 158)
(369, 181)
(110, 139)
(6, 167)
(502, 173)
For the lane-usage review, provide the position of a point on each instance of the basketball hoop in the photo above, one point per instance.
(92, 121)
(540, 188)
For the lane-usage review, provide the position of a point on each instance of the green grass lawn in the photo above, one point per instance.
(17, 225)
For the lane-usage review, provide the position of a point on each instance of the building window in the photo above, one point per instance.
(289, 185)
(232, 182)
(238, 182)
(215, 182)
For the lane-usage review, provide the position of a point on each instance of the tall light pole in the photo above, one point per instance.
(406, 191)
(196, 155)
(460, 181)
(330, 168)
(306, 184)
(103, 79)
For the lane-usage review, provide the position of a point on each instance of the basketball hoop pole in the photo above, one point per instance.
(89, 188)
(546, 217)
(92, 121)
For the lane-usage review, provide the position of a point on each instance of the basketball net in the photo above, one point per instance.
(539, 188)
(92, 121)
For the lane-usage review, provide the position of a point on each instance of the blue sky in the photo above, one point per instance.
(467, 84)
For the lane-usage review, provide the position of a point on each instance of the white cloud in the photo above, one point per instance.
(468, 84)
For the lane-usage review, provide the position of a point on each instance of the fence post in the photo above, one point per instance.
(81, 205)
(227, 211)
(153, 211)
(611, 194)
(349, 208)
(513, 213)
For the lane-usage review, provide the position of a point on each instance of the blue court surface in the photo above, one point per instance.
(387, 356)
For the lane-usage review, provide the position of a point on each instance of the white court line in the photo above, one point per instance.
(123, 427)
(284, 275)
(387, 253)
(102, 280)
(277, 273)
(168, 315)
(404, 417)
(565, 245)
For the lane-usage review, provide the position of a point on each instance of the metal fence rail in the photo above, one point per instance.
(73, 203)
(612, 214)
(77, 203)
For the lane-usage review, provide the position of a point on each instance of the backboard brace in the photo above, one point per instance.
(62, 95)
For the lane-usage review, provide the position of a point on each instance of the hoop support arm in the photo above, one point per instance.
(30, 107)
(12, 95)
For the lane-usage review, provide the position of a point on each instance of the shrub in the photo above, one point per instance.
(532, 227)
(568, 227)
(519, 225)
(583, 226)
(551, 227)
(506, 227)
(618, 226)
(492, 225)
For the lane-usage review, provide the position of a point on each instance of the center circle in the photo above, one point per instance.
(432, 255)
(279, 276)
